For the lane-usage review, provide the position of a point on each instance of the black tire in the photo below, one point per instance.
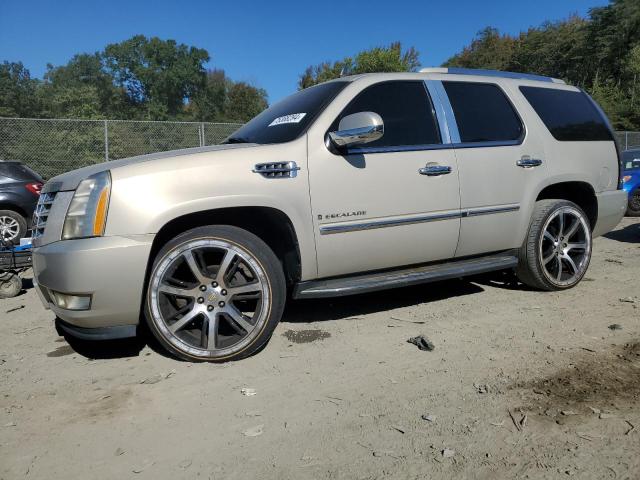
(633, 206)
(271, 280)
(13, 236)
(10, 285)
(530, 269)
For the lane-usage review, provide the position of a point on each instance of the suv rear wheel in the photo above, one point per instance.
(13, 226)
(215, 293)
(557, 250)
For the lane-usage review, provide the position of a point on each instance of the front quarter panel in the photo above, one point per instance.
(147, 196)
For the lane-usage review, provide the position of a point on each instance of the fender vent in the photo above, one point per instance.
(277, 169)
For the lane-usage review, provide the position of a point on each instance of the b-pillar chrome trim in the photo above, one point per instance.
(384, 223)
(444, 112)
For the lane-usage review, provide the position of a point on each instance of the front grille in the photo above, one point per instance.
(40, 216)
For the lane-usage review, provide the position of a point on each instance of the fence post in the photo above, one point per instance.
(201, 129)
(106, 141)
(626, 140)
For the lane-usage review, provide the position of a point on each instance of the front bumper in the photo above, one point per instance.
(611, 207)
(110, 269)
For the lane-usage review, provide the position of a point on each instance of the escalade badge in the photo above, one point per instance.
(331, 216)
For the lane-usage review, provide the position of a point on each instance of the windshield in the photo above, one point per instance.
(631, 160)
(289, 118)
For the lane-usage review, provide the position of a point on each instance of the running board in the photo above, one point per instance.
(371, 282)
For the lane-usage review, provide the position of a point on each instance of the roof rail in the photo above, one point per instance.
(490, 73)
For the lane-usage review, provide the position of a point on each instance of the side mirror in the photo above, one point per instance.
(358, 129)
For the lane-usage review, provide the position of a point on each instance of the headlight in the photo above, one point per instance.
(626, 178)
(87, 213)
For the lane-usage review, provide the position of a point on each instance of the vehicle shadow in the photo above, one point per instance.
(103, 349)
(320, 310)
(628, 234)
(310, 311)
(505, 279)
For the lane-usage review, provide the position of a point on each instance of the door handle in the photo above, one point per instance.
(528, 162)
(434, 170)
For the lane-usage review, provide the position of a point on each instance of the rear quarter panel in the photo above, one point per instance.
(594, 163)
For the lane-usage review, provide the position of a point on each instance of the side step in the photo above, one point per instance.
(371, 282)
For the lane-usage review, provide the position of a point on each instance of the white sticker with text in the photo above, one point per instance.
(292, 118)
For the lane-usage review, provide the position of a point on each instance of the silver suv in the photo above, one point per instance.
(355, 185)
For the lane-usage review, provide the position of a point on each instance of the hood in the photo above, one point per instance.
(71, 180)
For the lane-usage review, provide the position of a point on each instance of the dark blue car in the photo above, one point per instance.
(631, 179)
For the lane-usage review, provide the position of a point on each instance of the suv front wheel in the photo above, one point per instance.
(215, 293)
(557, 250)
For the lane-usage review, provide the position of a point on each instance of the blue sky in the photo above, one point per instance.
(267, 43)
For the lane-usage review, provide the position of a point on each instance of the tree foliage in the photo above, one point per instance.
(17, 90)
(378, 59)
(600, 54)
(139, 78)
(222, 99)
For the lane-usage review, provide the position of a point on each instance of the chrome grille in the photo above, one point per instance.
(277, 169)
(40, 216)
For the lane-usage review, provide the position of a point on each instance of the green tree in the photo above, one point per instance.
(600, 53)
(17, 91)
(223, 100)
(209, 103)
(244, 102)
(85, 77)
(554, 49)
(377, 59)
(159, 76)
(489, 50)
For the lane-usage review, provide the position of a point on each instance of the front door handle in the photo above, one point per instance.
(434, 170)
(528, 162)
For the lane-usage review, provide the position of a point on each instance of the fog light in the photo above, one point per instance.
(72, 302)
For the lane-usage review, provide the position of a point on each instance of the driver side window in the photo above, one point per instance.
(406, 110)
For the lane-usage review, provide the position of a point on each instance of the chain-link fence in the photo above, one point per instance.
(628, 140)
(52, 147)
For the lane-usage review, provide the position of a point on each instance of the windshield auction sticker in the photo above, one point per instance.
(292, 118)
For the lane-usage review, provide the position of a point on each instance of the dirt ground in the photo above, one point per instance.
(521, 384)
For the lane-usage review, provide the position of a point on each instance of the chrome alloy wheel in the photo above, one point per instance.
(209, 297)
(9, 228)
(565, 246)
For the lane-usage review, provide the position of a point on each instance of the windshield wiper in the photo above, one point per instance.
(236, 140)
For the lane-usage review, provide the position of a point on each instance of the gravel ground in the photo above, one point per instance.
(521, 384)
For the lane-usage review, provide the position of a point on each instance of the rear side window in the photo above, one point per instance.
(19, 172)
(406, 110)
(483, 112)
(569, 116)
(631, 160)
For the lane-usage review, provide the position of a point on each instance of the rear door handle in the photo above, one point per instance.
(434, 170)
(528, 162)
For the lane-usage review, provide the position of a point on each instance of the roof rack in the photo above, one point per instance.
(490, 73)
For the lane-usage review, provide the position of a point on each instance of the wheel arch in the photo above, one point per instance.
(270, 224)
(579, 192)
(4, 205)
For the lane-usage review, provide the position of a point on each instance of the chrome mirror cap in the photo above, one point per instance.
(358, 129)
